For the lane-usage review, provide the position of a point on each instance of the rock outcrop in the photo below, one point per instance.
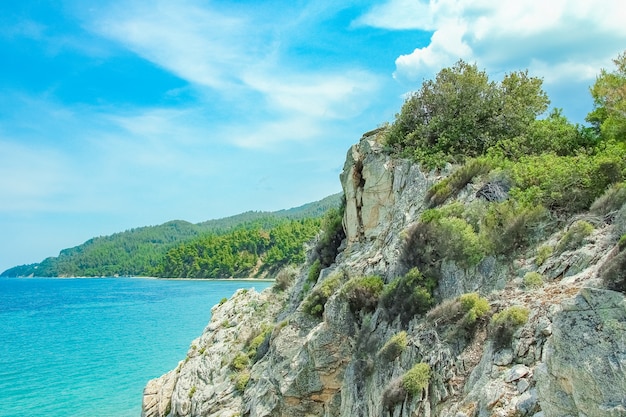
(263, 355)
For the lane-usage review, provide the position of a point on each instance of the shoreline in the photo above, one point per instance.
(158, 278)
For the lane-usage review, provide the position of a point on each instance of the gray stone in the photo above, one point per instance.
(516, 372)
(503, 357)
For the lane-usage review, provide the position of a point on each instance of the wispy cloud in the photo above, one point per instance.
(240, 57)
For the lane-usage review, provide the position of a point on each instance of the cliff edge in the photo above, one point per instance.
(534, 334)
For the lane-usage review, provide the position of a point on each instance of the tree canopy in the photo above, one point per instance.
(609, 97)
(461, 113)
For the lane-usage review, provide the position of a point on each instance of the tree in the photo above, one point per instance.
(461, 113)
(609, 97)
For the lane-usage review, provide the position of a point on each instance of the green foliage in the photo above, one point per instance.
(315, 301)
(609, 96)
(613, 272)
(574, 236)
(508, 227)
(331, 237)
(621, 244)
(140, 251)
(362, 293)
(612, 200)
(314, 271)
(260, 339)
(451, 185)
(462, 113)
(543, 253)
(554, 134)
(238, 252)
(223, 300)
(192, 391)
(532, 280)
(408, 295)
(394, 346)
(241, 380)
(567, 184)
(415, 380)
(285, 278)
(474, 306)
(505, 323)
(240, 362)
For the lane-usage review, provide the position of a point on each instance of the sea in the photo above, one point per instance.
(86, 347)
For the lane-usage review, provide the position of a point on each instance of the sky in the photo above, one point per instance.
(121, 114)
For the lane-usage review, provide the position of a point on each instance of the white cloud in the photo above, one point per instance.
(558, 39)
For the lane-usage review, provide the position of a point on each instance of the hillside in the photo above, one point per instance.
(137, 252)
(479, 274)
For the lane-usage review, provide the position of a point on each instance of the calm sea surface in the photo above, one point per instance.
(87, 347)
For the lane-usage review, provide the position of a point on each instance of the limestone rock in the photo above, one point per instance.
(584, 371)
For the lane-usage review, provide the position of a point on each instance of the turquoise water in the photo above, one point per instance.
(87, 347)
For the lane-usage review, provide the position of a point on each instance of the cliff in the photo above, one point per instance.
(553, 346)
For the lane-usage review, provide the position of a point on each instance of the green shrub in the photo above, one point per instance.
(505, 323)
(574, 236)
(509, 227)
(285, 278)
(612, 200)
(474, 306)
(240, 362)
(314, 271)
(621, 244)
(332, 235)
(314, 303)
(543, 253)
(394, 346)
(450, 186)
(566, 184)
(444, 234)
(408, 296)
(416, 379)
(533, 280)
(192, 391)
(613, 273)
(223, 300)
(362, 293)
(261, 339)
(241, 380)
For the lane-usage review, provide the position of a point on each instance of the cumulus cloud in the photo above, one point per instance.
(558, 39)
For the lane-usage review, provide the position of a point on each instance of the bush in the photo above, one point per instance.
(510, 227)
(416, 379)
(408, 295)
(475, 307)
(574, 236)
(362, 293)
(314, 303)
(332, 235)
(240, 362)
(241, 380)
(394, 346)
(612, 200)
(285, 278)
(543, 253)
(613, 273)
(443, 234)
(533, 280)
(621, 244)
(450, 186)
(258, 345)
(567, 184)
(505, 323)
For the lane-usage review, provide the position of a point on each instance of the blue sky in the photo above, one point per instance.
(120, 114)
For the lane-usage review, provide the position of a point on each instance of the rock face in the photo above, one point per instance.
(263, 355)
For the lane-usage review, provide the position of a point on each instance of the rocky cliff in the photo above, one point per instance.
(271, 354)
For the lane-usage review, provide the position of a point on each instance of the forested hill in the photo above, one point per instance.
(142, 251)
